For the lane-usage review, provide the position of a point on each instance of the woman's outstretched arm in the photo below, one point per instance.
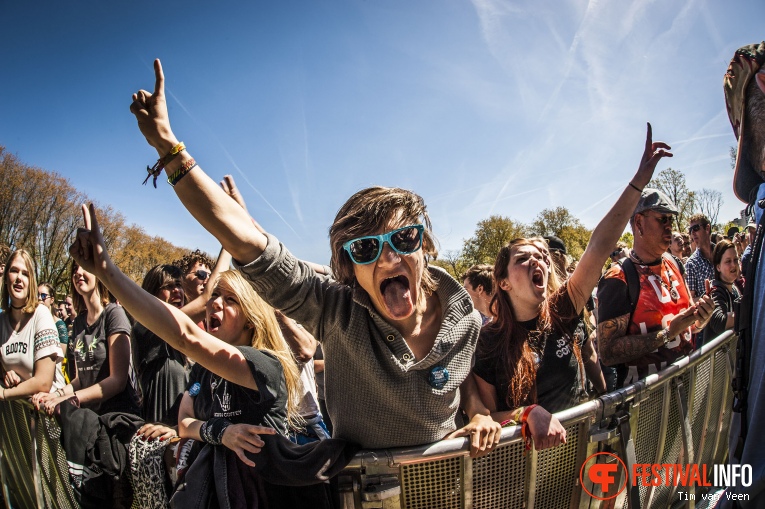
(610, 228)
(207, 202)
(166, 321)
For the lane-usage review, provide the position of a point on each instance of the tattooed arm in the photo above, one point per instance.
(616, 347)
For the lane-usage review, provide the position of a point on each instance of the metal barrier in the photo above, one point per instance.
(679, 416)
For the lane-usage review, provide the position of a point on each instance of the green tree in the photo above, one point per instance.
(709, 202)
(672, 183)
(452, 262)
(490, 235)
(561, 223)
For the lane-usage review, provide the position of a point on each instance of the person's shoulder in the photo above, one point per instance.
(616, 271)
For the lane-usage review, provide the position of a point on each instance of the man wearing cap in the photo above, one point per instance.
(645, 313)
(744, 87)
(559, 256)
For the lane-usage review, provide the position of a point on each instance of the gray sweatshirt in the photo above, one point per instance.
(377, 395)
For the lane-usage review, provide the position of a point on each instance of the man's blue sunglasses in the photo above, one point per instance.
(366, 250)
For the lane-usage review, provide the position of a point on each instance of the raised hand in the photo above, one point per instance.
(150, 110)
(88, 248)
(652, 154)
(229, 186)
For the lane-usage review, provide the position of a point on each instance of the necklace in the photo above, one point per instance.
(671, 290)
(17, 308)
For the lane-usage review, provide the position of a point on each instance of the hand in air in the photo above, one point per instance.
(242, 438)
(150, 109)
(88, 248)
(652, 154)
(229, 186)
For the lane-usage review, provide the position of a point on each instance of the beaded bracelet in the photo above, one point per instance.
(212, 430)
(181, 172)
(163, 161)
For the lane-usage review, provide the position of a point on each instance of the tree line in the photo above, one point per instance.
(496, 231)
(40, 212)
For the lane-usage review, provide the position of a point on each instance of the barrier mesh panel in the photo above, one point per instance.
(700, 405)
(673, 441)
(725, 410)
(432, 484)
(647, 434)
(499, 479)
(16, 441)
(557, 473)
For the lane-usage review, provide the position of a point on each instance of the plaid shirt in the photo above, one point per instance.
(697, 269)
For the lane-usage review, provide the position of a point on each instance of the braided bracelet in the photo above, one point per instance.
(212, 430)
(181, 172)
(163, 161)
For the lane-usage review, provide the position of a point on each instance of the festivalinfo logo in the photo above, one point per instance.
(607, 476)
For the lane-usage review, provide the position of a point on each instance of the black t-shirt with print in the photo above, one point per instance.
(216, 397)
(559, 379)
(90, 349)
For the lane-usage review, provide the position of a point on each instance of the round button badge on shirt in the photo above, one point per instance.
(438, 377)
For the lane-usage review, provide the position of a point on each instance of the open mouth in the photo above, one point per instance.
(538, 279)
(397, 296)
(213, 323)
(177, 303)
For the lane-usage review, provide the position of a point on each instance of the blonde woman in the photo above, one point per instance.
(29, 349)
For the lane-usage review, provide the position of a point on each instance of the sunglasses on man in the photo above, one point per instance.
(366, 250)
(694, 228)
(201, 274)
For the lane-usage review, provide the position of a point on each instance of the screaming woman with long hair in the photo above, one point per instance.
(528, 359)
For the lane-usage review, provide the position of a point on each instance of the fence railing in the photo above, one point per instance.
(678, 416)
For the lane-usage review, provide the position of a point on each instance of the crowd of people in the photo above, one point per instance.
(225, 362)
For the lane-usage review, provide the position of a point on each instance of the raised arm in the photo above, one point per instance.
(208, 203)
(166, 321)
(610, 228)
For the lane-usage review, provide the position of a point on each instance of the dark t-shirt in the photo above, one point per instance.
(216, 397)
(90, 349)
(162, 375)
(559, 378)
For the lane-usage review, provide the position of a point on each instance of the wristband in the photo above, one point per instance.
(181, 172)
(163, 161)
(527, 439)
(212, 430)
(636, 188)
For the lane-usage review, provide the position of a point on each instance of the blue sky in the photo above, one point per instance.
(482, 107)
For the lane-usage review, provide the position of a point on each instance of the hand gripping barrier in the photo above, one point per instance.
(680, 415)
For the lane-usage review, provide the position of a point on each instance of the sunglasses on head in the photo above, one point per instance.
(43, 296)
(201, 274)
(365, 250)
(694, 228)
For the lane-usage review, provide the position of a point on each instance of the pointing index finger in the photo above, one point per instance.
(159, 84)
(86, 216)
(93, 219)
